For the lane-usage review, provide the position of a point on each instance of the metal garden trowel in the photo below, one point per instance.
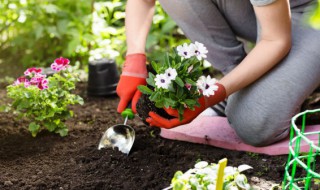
(121, 136)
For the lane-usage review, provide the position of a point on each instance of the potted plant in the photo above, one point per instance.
(177, 82)
(44, 100)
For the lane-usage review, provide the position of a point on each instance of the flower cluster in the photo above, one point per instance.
(44, 100)
(189, 50)
(178, 82)
(60, 64)
(35, 77)
(204, 176)
(164, 80)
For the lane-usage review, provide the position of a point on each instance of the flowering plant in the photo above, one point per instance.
(44, 100)
(204, 176)
(178, 82)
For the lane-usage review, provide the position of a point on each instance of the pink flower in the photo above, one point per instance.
(37, 79)
(32, 70)
(22, 80)
(188, 86)
(60, 64)
(43, 84)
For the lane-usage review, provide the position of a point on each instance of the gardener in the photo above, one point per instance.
(265, 87)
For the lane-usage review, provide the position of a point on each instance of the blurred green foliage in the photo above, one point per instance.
(35, 32)
(315, 18)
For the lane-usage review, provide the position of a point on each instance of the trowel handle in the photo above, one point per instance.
(128, 113)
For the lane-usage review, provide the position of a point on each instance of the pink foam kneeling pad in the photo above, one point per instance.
(217, 132)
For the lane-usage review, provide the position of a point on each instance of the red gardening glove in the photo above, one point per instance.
(134, 73)
(188, 115)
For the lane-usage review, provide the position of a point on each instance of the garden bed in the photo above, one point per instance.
(74, 162)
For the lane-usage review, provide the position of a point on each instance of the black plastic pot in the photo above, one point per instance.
(103, 77)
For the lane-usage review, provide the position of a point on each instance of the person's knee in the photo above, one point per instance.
(258, 129)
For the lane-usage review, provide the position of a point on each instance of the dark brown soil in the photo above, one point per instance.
(144, 106)
(74, 162)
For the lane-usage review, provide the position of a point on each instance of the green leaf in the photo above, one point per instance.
(168, 26)
(145, 89)
(151, 81)
(79, 100)
(57, 121)
(23, 104)
(159, 103)
(179, 81)
(26, 94)
(63, 132)
(190, 102)
(169, 102)
(189, 81)
(51, 126)
(155, 97)
(179, 92)
(34, 129)
(71, 113)
(155, 66)
(167, 61)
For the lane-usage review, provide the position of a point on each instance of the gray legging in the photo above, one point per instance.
(261, 112)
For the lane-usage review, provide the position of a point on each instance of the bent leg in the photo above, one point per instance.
(261, 113)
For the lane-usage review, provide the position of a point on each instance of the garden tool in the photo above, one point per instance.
(121, 136)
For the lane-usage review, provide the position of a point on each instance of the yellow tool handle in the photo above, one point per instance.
(221, 165)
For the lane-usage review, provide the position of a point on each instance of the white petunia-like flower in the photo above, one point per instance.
(171, 73)
(199, 50)
(229, 170)
(162, 81)
(207, 85)
(185, 50)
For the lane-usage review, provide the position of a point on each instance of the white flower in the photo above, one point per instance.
(207, 85)
(229, 170)
(211, 187)
(171, 73)
(185, 51)
(201, 164)
(162, 81)
(243, 167)
(199, 50)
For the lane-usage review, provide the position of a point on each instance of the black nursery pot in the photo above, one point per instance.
(103, 77)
